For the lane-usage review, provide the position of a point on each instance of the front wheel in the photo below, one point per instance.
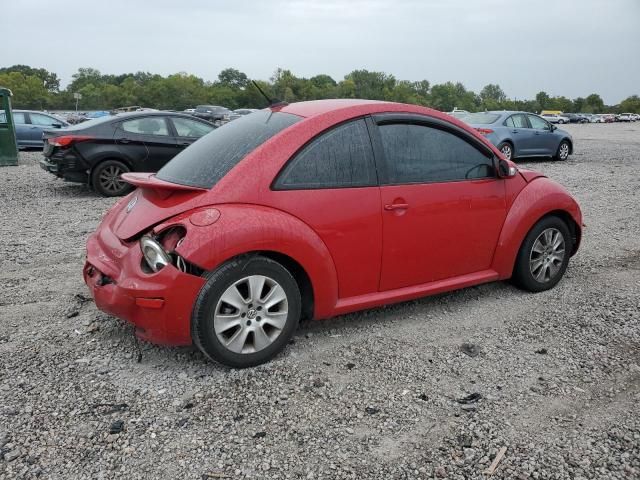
(506, 149)
(544, 255)
(105, 179)
(246, 312)
(563, 151)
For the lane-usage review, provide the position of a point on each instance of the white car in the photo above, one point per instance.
(624, 117)
(635, 117)
(553, 118)
(597, 118)
(458, 113)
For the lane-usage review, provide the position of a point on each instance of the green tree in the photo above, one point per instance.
(594, 103)
(371, 85)
(230, 77)
(50, 80)
(28, 90)
(630, 104)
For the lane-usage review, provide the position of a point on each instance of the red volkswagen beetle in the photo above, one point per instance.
(317, 209)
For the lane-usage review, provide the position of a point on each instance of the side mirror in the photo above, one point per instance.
(553, 127)
(505, 170)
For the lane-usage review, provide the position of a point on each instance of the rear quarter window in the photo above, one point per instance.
(209, 159)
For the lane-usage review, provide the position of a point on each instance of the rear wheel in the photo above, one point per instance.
(507, 150)
(563, 151)
(105, 178)
(543, 256)
(246, 312)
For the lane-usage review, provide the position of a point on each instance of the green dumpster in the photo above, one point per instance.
(8, 145)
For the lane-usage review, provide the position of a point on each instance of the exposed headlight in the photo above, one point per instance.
(154, 254)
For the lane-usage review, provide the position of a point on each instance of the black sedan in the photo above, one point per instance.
(97, 152)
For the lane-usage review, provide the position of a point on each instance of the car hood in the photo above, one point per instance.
(530, 175)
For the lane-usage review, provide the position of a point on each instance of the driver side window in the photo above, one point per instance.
(423, 154)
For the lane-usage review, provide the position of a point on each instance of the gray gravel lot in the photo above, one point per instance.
(371, 395)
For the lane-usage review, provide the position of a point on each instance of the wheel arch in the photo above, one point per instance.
(513, 146)
(540, 198)
(275, 235)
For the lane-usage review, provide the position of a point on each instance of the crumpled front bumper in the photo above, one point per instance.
(158, 304)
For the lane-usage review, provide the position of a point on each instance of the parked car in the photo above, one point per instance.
(98, 152)
(213, 114)
(624, 117)
(597, 118)
(458, 113)
(635, 117)
(30, 124)
(555, 118)
(609, 118)
(318, 209)
(575, 117)
(240, 112)
(521, 134)
(189, 110)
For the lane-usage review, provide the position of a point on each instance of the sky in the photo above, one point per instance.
(564, 47)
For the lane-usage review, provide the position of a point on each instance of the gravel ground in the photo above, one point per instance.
(369, 395)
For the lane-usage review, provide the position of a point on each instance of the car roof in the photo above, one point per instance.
(313, 108)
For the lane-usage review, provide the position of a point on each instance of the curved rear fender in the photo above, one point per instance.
(538, 199)
(242, 229)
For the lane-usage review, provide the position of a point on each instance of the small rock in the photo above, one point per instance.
(116, 427)
(371, 410)
(350, 366)
(440, 472)
(474, 397)
(72, 314)
(318, 383)
(470, 349)
(11, 456)
(542, 351)
(260, 435)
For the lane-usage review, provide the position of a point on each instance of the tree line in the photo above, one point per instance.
(37, 88)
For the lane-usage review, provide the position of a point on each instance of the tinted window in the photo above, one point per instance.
(421, 154)
(481, 118)
(146, 126)
(339, 158)
(209, 159)
(190, 128)
(537, 122)
(40, 119)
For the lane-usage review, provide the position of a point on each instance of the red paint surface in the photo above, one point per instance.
(357, 254)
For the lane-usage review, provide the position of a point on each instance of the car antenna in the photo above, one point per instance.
(273, 102)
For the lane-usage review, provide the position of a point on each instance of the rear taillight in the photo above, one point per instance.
(484, 131)
(67, 140)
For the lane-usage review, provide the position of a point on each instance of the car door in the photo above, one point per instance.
(22, 129)
(188, 131)
(147, 142)
(443, 205)
(545, 140)
(331, 185)
(522, 134)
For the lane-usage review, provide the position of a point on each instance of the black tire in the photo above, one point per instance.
(563, 151)
(105, 178)
(522, 273)
(209, 300)
(504, 147)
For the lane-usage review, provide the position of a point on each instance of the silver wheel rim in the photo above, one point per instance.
(547, 255)
(251, 314)
(506, 151)
(564, 151)
(110, 179)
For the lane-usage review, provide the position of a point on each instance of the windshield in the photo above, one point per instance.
(482, 118)
(210, 158)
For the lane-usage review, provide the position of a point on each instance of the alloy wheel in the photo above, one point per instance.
(110, 179)
(547, 255)
(506, 151)
(251, 314)
(564, 151)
